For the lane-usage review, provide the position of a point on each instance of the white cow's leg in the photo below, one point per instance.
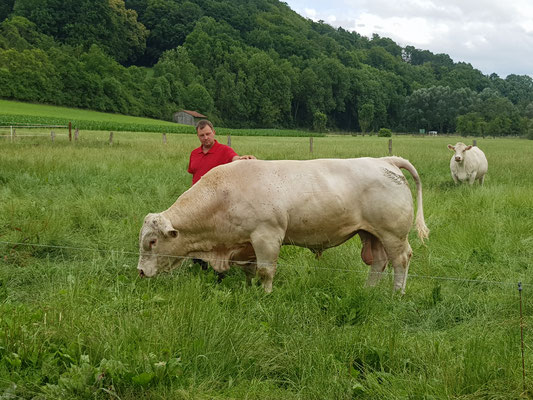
(472, 178)
(455, 180)
(481, 180)
(266, 246)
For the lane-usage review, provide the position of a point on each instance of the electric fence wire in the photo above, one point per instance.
(280, 263)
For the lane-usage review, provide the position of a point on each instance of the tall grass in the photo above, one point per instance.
(77, 322)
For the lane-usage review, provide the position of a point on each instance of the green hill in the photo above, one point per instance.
(245, 64)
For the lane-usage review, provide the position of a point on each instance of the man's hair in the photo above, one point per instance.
(202, 123)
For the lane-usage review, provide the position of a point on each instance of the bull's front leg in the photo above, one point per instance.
(249, 271)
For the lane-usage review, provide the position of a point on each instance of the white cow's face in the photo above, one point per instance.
(157, 244)
(459, 150)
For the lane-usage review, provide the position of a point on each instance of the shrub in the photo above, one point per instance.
(384, 132)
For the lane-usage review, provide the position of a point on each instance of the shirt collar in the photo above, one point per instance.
(212, 150)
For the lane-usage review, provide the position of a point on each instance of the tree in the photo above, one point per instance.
(471, 124)
(366, 116)
(319, 121)
(19, 33)
(106, 23)
(169, 23)
(6, 7)
(197, 98)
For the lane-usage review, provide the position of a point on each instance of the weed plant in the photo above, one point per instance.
(76, 321)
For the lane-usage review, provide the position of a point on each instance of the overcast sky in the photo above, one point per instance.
(492, 35)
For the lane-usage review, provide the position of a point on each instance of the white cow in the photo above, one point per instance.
(468, 163)
(241, 213)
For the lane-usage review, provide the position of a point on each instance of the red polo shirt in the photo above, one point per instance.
(200, 163)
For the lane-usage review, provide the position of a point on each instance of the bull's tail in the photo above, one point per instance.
(422, 229)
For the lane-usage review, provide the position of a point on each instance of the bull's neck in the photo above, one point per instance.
(193, 209)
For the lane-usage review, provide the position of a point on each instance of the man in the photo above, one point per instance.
(211, 153)
(208, 156)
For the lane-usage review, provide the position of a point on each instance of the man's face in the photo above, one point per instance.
(206, 136)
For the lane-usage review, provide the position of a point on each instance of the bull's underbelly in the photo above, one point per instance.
(320, 238)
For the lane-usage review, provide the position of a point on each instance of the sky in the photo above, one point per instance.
(494, 36)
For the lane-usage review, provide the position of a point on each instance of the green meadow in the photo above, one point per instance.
(76, 321)
(19, 113)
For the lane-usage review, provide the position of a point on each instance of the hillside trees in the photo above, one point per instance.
(244, 64)
(106, 23)
(6, 6)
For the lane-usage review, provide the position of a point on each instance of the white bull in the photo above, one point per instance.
(241, 213)
(468, 163)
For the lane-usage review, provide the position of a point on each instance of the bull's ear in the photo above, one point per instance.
(468, 147)
(451, 147)
(167, 228)
(171, 233)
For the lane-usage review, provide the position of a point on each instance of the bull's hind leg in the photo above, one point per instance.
(373, 254)
(400, 255)
(266, 247)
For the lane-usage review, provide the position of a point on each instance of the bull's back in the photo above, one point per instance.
(321, 202)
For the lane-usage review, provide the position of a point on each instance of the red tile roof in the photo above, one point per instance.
(194, 114)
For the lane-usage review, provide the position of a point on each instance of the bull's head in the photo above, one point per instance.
(157, 244)
(459, 150)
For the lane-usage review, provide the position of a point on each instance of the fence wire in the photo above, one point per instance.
(279, 263)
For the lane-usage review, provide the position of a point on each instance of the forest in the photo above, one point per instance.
(245, 64)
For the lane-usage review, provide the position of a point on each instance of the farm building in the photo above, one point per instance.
(187, 117)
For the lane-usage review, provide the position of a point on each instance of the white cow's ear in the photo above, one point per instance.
(451, 147)
(468, 147)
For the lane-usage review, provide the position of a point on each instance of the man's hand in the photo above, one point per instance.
(247, 157)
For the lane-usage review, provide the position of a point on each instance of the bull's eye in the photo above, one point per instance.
(152, 243)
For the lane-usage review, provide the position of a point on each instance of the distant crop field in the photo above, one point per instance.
(18, 113)
(76, 321)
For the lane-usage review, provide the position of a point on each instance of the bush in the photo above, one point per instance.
(384, 132)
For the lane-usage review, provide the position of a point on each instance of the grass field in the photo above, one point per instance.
(19, 113)
(76, 321)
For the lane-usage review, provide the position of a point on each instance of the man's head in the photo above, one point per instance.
(206, 133)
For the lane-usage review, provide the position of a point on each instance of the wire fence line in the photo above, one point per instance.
(282, 263)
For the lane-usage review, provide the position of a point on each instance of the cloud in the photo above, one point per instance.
(492, 35)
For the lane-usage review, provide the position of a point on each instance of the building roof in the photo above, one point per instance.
(194, 114)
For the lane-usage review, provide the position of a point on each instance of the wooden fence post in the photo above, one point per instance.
(76, 133)
(13, 134)
(390, 147)
(311, 144)
(164, 138)
(111, 138)
(70, 131)
(475, 142)
(229, 140)
(53, 136)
